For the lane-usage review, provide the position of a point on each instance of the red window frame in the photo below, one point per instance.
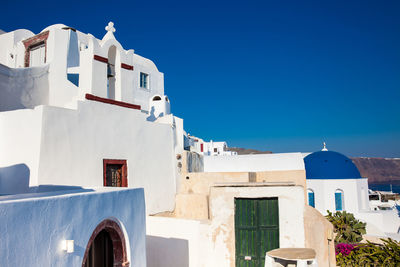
(33, 42)
(124, 170)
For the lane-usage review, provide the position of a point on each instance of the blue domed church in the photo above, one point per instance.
(334, 183)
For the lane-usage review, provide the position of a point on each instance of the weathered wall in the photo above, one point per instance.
(222, 232)
(33, 226)
(319, 236)
(192, 162)
(209, 239)
(191, 206)
(200, 182)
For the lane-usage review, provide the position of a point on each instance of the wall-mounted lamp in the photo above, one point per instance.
(68, 246)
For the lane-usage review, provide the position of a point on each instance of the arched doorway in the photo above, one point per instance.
(112, 52)
(106, 246)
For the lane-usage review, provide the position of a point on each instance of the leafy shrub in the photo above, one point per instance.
(369, 254)
(347, 228)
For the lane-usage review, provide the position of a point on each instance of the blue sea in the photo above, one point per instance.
(384, 187)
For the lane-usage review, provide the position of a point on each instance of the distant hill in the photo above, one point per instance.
(379, 170)
(246, 151)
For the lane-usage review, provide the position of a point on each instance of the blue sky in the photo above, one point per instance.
(271, 75)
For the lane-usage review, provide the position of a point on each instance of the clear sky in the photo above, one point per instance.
(271, 75)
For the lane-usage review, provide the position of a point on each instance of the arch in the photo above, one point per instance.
(156, 98)
(339, 200)
(311, 197)
(116, 234)
(166, 98)
(112, 53)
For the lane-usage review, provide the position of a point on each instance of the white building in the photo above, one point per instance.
(82, 114)
(67, 226)
(77, 111)
(81, 111)
(204, 148)
(335, 184)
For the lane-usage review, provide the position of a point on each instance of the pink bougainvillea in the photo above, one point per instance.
(344, 248)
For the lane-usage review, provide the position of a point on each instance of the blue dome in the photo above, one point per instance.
(330, 165)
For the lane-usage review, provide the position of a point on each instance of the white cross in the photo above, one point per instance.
(110, 27)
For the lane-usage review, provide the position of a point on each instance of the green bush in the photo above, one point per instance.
(347, 228)
(370, 254)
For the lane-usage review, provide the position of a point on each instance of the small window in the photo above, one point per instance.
(339, 200)
(115, 173)
(144, 80)
(215, 150)
(311, 198)
(37, 55)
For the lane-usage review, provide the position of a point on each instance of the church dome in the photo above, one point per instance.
(330, 165)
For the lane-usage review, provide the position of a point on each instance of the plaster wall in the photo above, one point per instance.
(192, 162)
(172, 242)
(380, 223)
(156, 81)
(355, 201)
(20, 137)
(324, 194)
(93, 73)
(59, 43)
(319, 236)
(33, 227)
(23, 88)
(69, 51)
(254, 163)
(222, 230)
(298, 177)
(68, 148)
(200, 182)
(12, 53)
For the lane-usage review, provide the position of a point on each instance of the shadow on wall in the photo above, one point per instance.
(14, 179)
(152, 116)
(167, 252)
(22, 88)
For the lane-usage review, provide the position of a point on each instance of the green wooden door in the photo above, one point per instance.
(256, 230)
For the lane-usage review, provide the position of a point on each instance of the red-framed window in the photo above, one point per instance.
(36, 46)
(115, 173)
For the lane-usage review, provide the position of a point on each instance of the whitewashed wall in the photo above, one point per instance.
(175, 242)
(12, 52)
(254, 163)
(222, 210)
(381, 223)
(353, 198)
(65, 45)
(20, 135)
(23, 88)
(67, 147)
(33, 226)
(172, 242)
